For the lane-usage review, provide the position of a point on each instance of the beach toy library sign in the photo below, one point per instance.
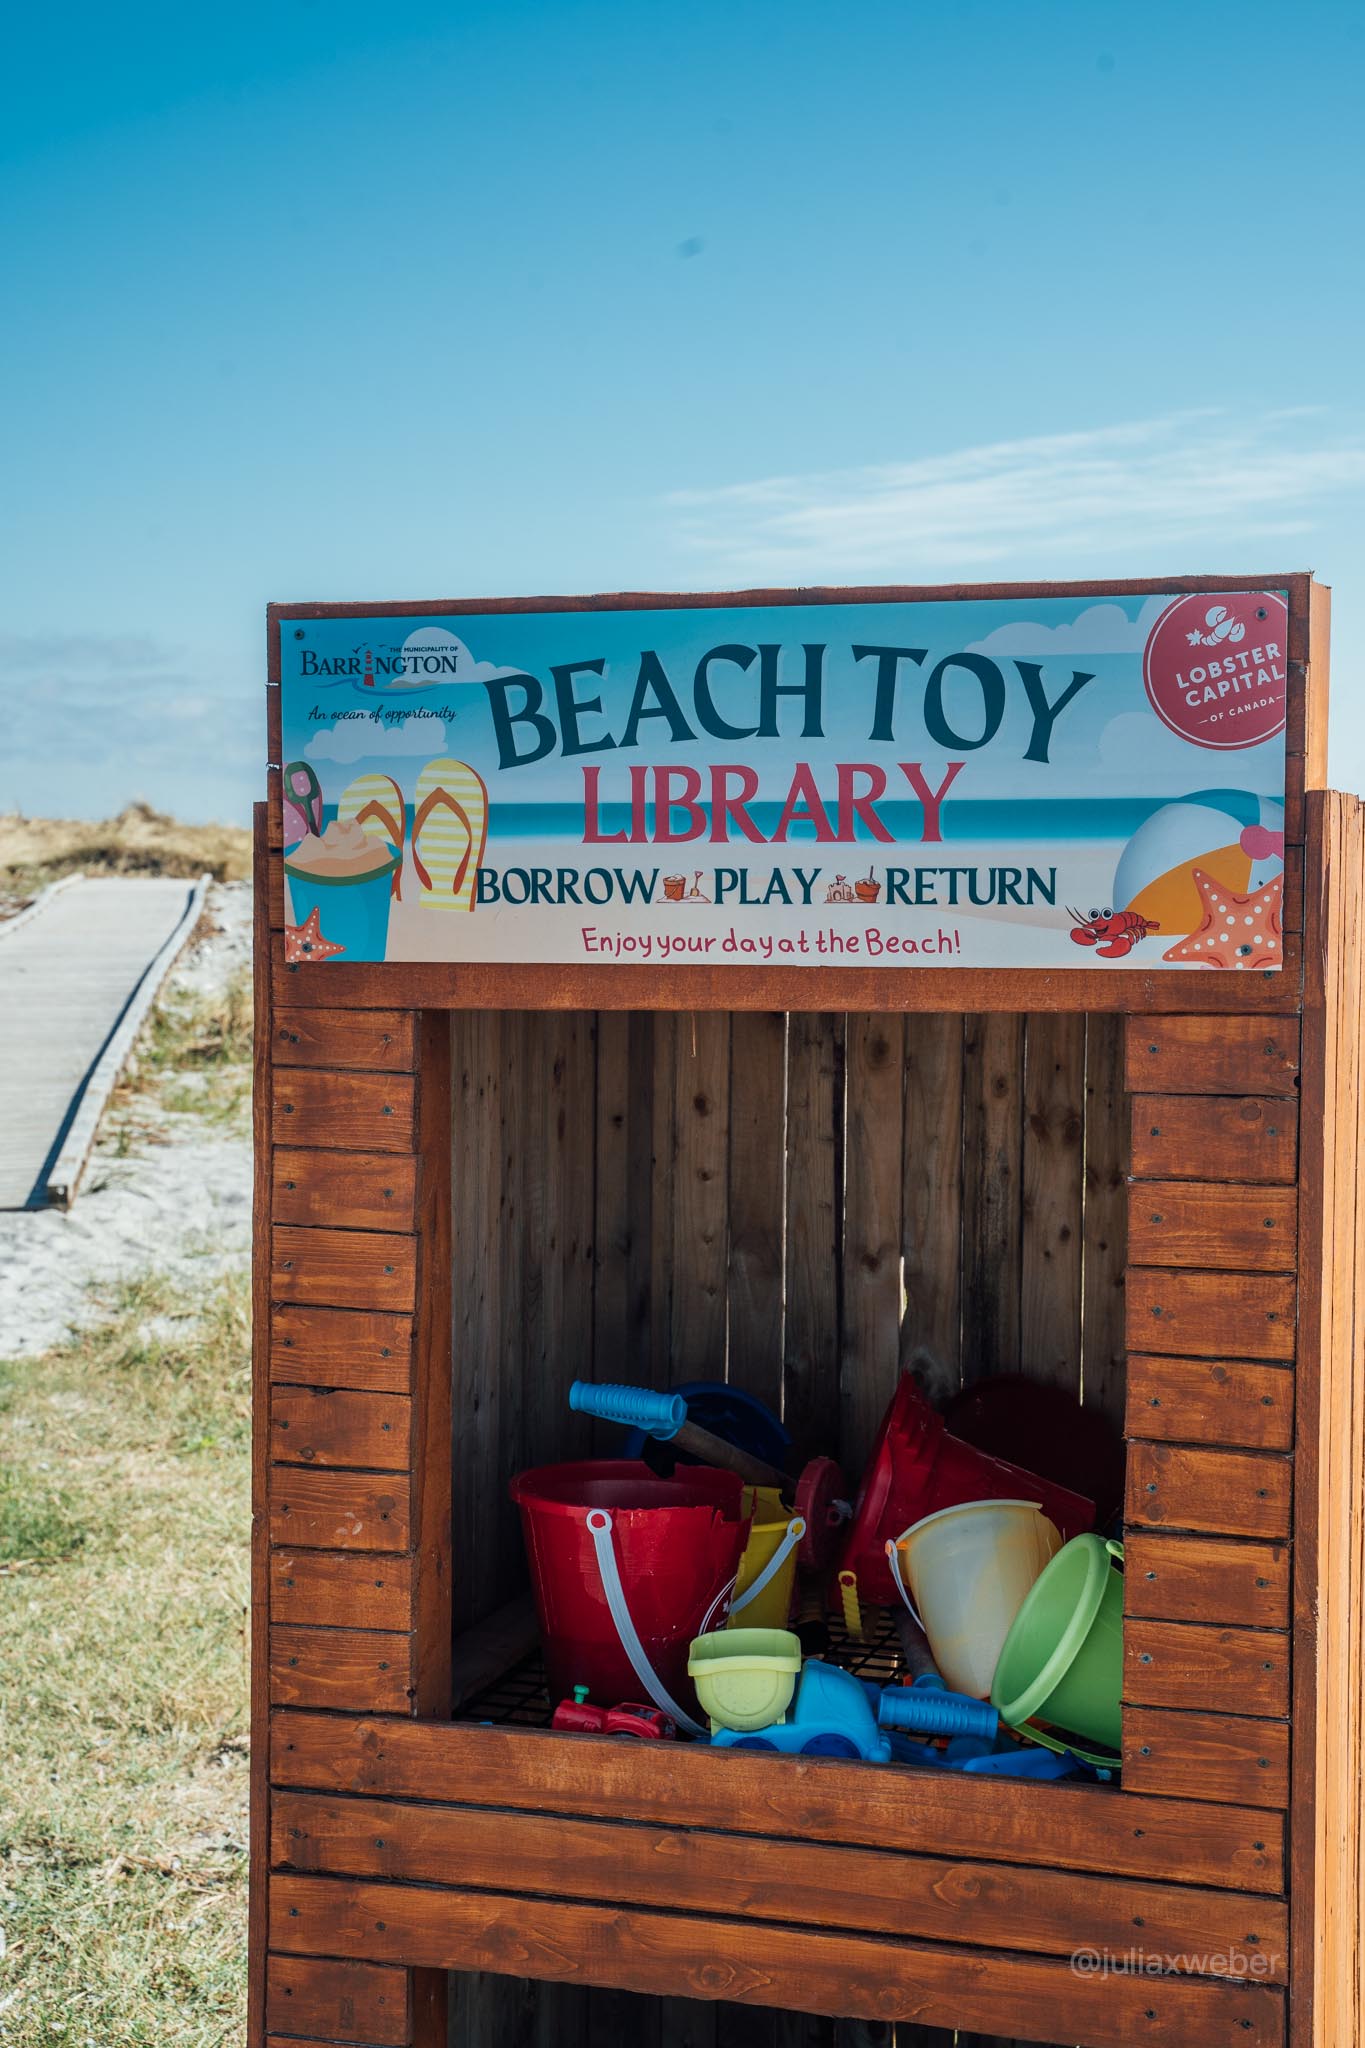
(889, 780)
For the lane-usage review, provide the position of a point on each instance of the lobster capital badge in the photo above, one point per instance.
(1215, 668)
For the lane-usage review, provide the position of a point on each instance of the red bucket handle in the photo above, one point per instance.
(599, 1528)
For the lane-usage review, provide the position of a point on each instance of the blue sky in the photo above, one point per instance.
(329, 301)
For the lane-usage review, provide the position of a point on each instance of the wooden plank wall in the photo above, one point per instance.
(352, 1381)
(1213, 1235)
(798, 1203)
(614, 1188)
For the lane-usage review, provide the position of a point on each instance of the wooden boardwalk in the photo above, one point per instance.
(77, 973)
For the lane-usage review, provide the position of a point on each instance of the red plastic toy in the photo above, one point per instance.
(916, 1468)
(579, 1717)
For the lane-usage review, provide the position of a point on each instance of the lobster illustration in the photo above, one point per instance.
(1222, 626)
(1115, 932)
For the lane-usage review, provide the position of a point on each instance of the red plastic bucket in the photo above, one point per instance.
(916, 1469)
(678, 1544)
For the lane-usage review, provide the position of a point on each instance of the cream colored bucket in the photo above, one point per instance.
(968, 1571)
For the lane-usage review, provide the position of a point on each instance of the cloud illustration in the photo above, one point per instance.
(365, 737)
(1100, 629)
(435, 642)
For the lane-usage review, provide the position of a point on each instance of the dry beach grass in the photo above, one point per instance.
(139, 841)
(122, 1677)
(123, 1602)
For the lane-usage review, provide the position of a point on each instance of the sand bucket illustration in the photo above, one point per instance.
(674, 886)
(376, 803)
(351, 900)
(868, 889)
(449, 832)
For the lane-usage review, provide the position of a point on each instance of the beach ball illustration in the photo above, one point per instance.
(1230, 834)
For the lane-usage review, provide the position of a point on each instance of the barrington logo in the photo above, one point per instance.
(376, 666)
(426, 658)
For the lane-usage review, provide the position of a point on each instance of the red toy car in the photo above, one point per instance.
(579, 1717)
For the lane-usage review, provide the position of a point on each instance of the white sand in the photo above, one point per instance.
(181, 1206)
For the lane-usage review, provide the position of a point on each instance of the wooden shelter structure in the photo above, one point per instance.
(475, 1183)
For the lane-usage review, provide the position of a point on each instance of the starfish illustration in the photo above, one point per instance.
(1235, 931)
(305, 942)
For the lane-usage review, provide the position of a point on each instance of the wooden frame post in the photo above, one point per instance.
(352, 1447)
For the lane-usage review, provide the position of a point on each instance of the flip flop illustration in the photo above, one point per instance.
(302, 807)
(376, 803)
(449, 832)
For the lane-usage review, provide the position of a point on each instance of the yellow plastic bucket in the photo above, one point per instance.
(771, 1606)
(970, 1569)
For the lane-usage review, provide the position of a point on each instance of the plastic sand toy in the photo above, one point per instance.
(744, 1677)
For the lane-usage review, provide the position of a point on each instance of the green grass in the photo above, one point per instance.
(194, 1058)
(37, 1524)
(123, 1608)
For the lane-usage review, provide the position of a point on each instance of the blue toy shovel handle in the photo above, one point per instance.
(663, 1415)
(925, 1710)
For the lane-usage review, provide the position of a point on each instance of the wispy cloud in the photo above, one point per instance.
(94, 719)
(1121, 489)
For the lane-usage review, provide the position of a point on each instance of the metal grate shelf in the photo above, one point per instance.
(519, 1699)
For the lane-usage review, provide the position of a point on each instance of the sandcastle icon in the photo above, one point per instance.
(676, 889)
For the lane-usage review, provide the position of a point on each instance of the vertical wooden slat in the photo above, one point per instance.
(870, 1347)
(805, 2030)
(564, 2016)
(258, 1908)
(663, 1192)
(992, 1142)
(692, 2023)
(700, 1248)
(618, 2018)
(431, 1377)
(519, 1289)
(624, 1199)
(532, 1178)
(815, 1150)
(557, 1224)
(1051, 1189)
(1352, 1365)
(575, 1120)
(884, 2034)
(1317, 685)
(1022, 1186)
(479, 1522)
(758, 1079)
(1327, 1963)
(488, 2009)
(932, 1189)
(1104, 1220)
(431, 1395)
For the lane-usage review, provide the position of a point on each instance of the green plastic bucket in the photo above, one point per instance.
(1062, 1660)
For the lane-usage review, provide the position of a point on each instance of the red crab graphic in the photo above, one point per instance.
(1115, 932)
